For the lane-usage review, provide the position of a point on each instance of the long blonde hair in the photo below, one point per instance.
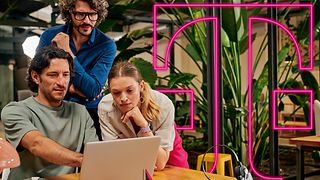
(149, 108)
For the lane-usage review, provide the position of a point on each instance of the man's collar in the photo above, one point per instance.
(92, 36)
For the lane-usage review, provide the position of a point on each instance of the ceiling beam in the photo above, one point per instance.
(12, 39)
(19, 23)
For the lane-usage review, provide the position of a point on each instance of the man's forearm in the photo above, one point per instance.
(56, 154)
(50, 150)
(162, 158)
(73, 90)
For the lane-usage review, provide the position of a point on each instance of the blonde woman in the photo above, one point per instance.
(133, 109)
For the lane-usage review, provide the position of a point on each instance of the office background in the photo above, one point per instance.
(188, 65)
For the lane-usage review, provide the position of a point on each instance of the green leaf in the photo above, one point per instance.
(181, 78)
(194, 54)
(224, 38)
(297, 99)
(109, 24)
(310, 81)
(317, 31)
(124, 42)
(125, 55)
(186, 11)
(306, 113)
(127, 40)
(281, 106)
(227, 93)
(283, 53)
(229, 23)
(114, 21)
(262, 80)
(233, 20)
(291, 84)
(260, 84)
(125, 2)
(243, 43)
(147, 72)
(295, 67)
(137, 34)
(316, 19)
(242, 24)
(184, 109)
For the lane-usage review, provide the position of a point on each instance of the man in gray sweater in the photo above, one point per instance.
(48, 132)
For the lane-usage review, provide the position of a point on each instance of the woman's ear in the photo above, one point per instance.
(142, 85)
(35, 77)
(107, 86)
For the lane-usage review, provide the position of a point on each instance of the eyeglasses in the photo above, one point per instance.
(93, 16)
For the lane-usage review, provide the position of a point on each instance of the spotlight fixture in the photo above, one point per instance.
(30, 45)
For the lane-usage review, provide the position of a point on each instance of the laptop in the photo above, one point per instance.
(121, 159)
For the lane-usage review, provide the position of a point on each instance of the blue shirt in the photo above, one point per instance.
(92, 63)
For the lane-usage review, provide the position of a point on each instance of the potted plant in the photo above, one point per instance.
(234, 44)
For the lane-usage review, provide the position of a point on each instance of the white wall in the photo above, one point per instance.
(6, 85)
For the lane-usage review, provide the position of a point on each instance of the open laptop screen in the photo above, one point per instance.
(120, 159)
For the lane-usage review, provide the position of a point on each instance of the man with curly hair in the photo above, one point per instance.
(93, 52)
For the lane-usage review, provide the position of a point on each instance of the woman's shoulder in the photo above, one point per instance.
(107, 111)
(106, 104)
(161, 98)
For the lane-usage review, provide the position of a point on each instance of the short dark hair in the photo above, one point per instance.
(67, 6)
(42, 60)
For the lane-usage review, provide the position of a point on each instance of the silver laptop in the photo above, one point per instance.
(121, 159)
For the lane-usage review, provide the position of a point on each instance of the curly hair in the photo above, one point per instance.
(42, 59)
(67, 6)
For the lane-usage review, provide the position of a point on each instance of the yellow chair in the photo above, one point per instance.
(222, 159)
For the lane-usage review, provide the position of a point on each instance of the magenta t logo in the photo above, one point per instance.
(309, 67)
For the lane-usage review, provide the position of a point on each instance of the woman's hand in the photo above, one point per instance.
(135, 115)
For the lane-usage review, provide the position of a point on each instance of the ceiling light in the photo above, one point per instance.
(30, 45)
